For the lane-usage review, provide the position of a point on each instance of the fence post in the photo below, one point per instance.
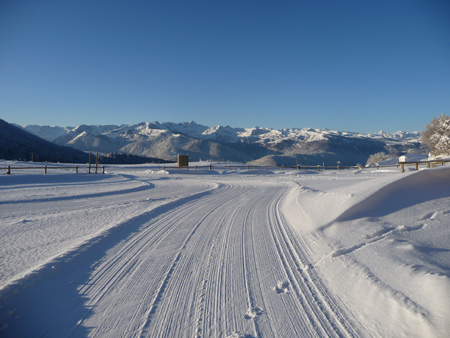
(96, 163)
(428, 164)
(318, 167)
(195, 167)
(164, 167)
(282, 167)
(90, 162)
(103, 170)
(45, 169)
(76, 169)
(210, 167)
(8, 172)
(266, 168)
(417, 165)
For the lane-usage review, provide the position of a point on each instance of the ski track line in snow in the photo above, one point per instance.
(214, 291)
(210, 275)
(306, 297)
(168, 274)
(287, 262)
(221, 297)
(253, 310)
(127, 261)
(326, 311)
(179, 281)
(170, 218)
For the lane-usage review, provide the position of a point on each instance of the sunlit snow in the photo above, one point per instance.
(146, 252)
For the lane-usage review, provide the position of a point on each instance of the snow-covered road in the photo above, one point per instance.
(145, 253)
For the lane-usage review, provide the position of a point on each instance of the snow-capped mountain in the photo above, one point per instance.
(256, 145)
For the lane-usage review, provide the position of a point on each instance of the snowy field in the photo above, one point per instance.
(141, 252)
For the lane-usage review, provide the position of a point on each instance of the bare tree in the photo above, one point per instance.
(377, 157)
(437, 135)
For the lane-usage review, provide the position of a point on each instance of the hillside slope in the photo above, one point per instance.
(18, 144)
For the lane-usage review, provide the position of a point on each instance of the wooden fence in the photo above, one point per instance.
(46, 168)
(97, 168)
(261, 167)
(402, 165)
(90, 167)
(429, 164)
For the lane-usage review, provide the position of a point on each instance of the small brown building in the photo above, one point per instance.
(183, 161)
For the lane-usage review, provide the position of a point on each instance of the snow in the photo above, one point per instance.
(224, 133)
(49, 133)
(146, 252)
(410, 157)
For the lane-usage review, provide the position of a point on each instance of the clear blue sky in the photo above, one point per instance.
(344, 65)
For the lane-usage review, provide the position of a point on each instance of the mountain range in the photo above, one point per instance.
(256, 145)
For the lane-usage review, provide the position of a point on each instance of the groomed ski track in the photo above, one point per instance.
(212, 260)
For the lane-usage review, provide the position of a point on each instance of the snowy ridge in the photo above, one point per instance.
(263, 145)
(225, 133)
(399, 135)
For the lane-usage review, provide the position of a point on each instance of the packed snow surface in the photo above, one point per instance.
(143, 252)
